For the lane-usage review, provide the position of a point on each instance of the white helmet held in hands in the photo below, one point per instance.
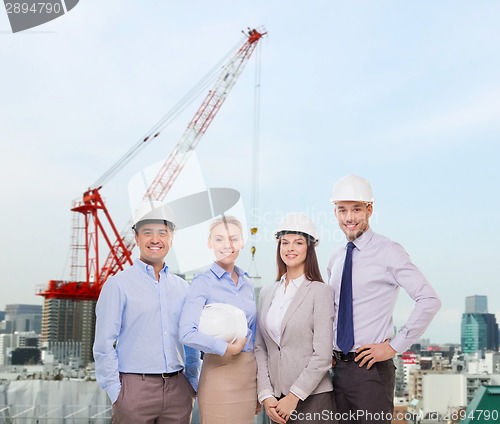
(297, 223)
(352, 188)
(223, 321)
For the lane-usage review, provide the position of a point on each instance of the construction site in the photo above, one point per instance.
(69, 305)
(257, 121)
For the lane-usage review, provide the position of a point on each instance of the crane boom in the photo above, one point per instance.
(174, 163)
(121, 249)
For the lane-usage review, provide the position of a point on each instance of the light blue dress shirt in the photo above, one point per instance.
(142, 315)
(379, 268)
(216, 286)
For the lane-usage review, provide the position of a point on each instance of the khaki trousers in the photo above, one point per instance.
(145, 399)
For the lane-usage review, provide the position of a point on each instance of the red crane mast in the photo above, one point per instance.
(92, 206)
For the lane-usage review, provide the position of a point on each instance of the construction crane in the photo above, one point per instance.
(98, 224)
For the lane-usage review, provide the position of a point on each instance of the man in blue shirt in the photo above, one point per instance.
(147, 373)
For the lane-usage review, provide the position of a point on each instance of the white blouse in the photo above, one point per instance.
(281, 302)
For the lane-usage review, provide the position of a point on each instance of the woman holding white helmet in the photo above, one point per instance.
(228, 389)
(293, 345)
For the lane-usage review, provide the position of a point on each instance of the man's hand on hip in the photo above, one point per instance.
(369, 354)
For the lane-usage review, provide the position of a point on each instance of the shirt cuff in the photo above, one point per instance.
(113, 392)
(265, 394)
(399, 344)
(220, 347)
(291, 391)
(298, 392)
(194, 383)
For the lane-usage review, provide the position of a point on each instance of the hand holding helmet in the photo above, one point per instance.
(223, 321)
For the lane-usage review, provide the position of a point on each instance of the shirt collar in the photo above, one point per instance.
(148, 269)
(363, 239)
(219, 271)
(296, 282)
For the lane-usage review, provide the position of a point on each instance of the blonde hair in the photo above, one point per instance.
(225, 220)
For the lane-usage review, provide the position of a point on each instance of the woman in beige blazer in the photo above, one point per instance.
(293, 345)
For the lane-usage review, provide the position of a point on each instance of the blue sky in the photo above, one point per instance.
(406, 94)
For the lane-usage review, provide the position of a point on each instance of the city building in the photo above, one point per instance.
(5, 343)
(484, 408)
(479, 329)
(438, 392)
(404, 364)
(485, 363)
(22, 318)
(473, 333)
(476, 304)
(68, 329)
(15, 347)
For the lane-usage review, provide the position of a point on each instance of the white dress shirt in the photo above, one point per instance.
(282, 299)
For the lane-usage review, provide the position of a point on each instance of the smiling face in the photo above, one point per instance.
(353, 218)
(154, 242)
(293, 250)
(226, 241)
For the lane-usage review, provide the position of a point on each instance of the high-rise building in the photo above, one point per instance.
(22, 318)
(69, 321)
(5, 343)
(474, 333)
(492, 332)
(479, 330)
(17, 340)
(476, 304)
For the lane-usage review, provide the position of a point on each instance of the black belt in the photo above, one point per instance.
(345, 357)
(162, 375)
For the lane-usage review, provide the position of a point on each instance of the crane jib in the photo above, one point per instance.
(92, 204)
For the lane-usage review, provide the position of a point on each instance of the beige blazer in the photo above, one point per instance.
(301, 363)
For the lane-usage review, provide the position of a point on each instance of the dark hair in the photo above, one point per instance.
(311, 267)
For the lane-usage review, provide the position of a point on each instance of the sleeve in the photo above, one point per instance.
(109, 310)
(329, 270)
(321, 359)
(190, 317)
(333, 257)
(427, 303)
(193, 365)
(264, 387)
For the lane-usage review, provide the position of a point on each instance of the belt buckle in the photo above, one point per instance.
(341, 356)
(344, 357)
(166, 375)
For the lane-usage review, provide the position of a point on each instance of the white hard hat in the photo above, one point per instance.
(223, 321)
(154, 210)
(297, 223)
(352, 188)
